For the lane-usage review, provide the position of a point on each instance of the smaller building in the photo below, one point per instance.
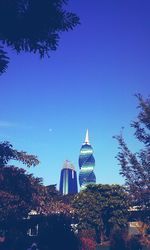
(68, 179)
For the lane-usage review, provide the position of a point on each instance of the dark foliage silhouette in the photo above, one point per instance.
(134, 243)
(55, 232)
(4, 60)
(7, 153)
(33, 26)
(118, 241)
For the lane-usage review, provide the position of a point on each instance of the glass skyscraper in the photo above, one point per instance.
(68, 179)
(86, 164)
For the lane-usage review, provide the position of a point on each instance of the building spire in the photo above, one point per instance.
(87, 138)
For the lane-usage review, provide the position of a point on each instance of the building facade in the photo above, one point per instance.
(86, 164)
(68, 179)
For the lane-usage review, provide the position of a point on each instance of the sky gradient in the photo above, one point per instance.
(89, 82)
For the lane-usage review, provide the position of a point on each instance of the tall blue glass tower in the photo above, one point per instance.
(68, 179)
(86, 164)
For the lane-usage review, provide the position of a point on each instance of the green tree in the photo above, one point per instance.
(33, 26)
(101, 207)
(135, 167)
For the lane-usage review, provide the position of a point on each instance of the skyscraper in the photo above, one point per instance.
(86, 164)
(68, 179)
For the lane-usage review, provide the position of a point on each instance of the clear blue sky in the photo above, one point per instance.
(89, 82)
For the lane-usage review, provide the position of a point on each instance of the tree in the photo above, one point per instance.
(51, 202)
(101, 207)
(7, 153)
(135, 167)
(33, 26)
(19, 193)
(18, 190)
